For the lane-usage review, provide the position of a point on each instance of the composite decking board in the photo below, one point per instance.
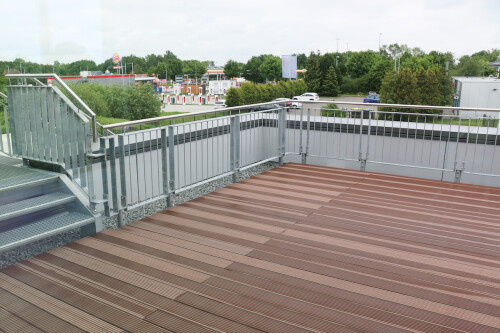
(100, 310)
(448, 215)
(334, 236)
(56, 307)
(297, 248)
(374, 268)
(33, 314)
(13, 324)
(212, 292)
(459, 225)
(487, 247)
(284, 192)
(147, 297)
(389, 256)
(349, 216)
(239, 288)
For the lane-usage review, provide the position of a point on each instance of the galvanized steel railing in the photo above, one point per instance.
(137, 167)
(6, 147)
(446, 143)
(55, 77)
(141, 166)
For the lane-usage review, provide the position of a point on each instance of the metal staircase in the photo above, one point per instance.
(36, 204)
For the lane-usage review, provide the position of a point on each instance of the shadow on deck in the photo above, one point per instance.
(298, 248)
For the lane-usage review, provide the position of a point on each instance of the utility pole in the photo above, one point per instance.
(337, 45)
(379, 35)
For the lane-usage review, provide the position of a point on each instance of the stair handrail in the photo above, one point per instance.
(54, 76)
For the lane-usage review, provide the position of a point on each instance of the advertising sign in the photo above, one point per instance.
(289, 66)
(116, 59)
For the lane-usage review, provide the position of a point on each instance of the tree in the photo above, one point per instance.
(330, 84)
(233, 97)
(143, 102)
(313, 74)
(194, 68)
(248, 93)
(233, 69)
(270, 69)
(252, 69)
(377, 73)
(359, 63)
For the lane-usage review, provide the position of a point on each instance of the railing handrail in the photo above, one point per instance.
(3, 95)
(235, 108)
(68, 89)
(187, 114)
(408, 106)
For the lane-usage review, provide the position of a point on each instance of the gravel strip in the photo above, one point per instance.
(24, 252)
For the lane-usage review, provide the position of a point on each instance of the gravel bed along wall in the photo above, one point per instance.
(24, 252)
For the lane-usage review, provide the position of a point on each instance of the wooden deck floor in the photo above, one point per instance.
(295, 249)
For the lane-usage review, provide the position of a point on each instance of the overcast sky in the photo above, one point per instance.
(68, 30)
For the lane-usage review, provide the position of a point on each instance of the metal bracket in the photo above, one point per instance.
(458, 174)
(363, 165)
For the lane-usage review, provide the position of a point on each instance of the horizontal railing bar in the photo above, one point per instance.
(185, 188)
(259, 163)
(409, 166)
(408, 106)
(187, 114)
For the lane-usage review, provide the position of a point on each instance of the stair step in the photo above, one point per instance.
(26, 181)
(41, 229)
(34, 204)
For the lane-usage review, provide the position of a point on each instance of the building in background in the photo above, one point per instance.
(477, 92)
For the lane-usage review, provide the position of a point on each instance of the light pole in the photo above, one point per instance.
(379, 35)
(337, 45)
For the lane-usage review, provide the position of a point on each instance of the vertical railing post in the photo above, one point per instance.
(123, 179)
(112, 165)
(281, 134)
(104, 173)
(301, 146)
(171, 166)
(308, 128)
(363, 162)
(6, 117)
(164, 161)
(458, 171)
(234, 154)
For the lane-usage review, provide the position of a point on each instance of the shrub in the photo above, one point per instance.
(332, 110)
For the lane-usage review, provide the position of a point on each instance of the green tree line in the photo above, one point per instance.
(252, 93)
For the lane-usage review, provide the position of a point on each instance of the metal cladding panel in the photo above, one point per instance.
(298, 248)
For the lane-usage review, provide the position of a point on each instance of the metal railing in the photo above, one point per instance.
(140, 166)
(137, 167)
(6, 147)
(89, 113)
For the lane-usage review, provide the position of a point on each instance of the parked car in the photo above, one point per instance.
(220, 104)
(372, 97)
(309, 96)
(265, 107)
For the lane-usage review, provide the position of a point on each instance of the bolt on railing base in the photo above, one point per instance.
(363, 165)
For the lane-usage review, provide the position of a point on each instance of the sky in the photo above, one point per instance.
(45, 31)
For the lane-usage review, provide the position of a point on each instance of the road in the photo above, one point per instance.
(313, 106)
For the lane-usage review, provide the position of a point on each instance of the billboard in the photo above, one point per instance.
(289, 66)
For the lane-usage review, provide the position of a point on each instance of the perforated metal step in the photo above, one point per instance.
(31, 205)
(13, 177)
(42, 229)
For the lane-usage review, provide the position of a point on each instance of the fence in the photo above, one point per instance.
(156, 163)
(136, 162)
(140, 166)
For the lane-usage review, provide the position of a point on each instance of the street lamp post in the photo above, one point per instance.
(379, 35)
